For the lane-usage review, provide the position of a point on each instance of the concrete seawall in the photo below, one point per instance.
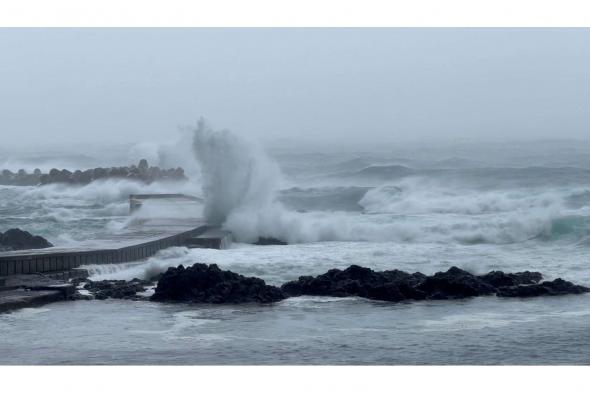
(55, 260)
(140, 239)
(23, 274)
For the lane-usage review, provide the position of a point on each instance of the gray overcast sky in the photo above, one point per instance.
(128, 85)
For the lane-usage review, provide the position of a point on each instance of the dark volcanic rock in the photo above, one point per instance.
(396, 285)
(269, 241)
(116, 289)
(16, 239)
(392, 285)
(455, 283)
(501, 279)
(203, 283)
(546, 288)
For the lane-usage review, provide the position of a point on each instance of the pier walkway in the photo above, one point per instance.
(135, 243)
(138, 241)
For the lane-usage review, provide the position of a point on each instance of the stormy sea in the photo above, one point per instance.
(480, 206)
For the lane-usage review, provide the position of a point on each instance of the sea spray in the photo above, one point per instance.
(145, 270)
(177, 152)
(240, 185)
(237, 176)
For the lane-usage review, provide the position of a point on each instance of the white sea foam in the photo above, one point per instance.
(240, 184)
(106, 191)
(170, 257)
(420, 196)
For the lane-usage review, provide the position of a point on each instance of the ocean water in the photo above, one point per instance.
(425, 207)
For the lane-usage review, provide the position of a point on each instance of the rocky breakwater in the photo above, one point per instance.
(455, 283)
(20, 178)
(16, 239)
(203, 283)
(141, 172)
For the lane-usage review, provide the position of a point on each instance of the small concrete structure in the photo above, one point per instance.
(32, 290)
(213, 237)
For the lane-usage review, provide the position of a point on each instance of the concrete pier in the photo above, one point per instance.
(136, 243)
(140, 239)
(35, 277)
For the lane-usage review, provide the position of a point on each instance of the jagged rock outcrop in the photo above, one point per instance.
(455, 283)
(393, 285)
(203, 283)
(141, 172)
(501, 279)
(15, 239)
(547, 288)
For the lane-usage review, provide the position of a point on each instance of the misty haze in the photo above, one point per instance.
(294, 196)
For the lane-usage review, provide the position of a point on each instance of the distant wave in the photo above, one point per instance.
(482, 177)
(378, 171)
(327, 198)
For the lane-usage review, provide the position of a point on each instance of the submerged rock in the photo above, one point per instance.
(546, 288)
(270, 241)
(501, 279)
(116, 289)
(203, 283)
(16, 239)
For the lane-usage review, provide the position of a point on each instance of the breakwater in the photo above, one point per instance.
(60, 259)
(138, 241)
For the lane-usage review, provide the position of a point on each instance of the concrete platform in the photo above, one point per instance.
(31, 290)
(21, 298)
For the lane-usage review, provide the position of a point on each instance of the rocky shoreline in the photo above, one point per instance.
(140, 172)
(202, 283)
(16, 239)
(208, 284)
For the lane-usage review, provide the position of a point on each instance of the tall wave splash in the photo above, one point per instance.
(239, 180)
(241, 185)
